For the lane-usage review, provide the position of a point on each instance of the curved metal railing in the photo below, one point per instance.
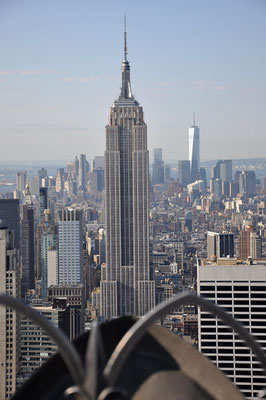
(80, 373)
(137, 331)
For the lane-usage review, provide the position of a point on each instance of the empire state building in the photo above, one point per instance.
(126, 284)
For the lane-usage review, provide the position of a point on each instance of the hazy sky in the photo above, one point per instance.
(60, 72)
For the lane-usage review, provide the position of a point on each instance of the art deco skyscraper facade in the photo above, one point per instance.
(194, 151)
(126, 285)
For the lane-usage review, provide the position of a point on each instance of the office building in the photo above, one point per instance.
(255, 245)
(36, 346)
(75, 299)
(247, 182)
(21, 179)
(52, 266)
(194, 151)
(48, 243)
(223, 170)
(82, 174)
(240, 289)
(226, 170)
(220, 245)
(97, 163)
(9, 343)
(184, 172)
(158, 168)
(244, 243)
(27, 249)
(70, 247)
(97, 180)
(42, 202)
(126, 286)
(10, 217)
(42, 173)
(157, 155)
(59, 181)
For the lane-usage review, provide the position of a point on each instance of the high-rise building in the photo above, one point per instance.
(82, 176)
(255, 245)
(9, 284)
(36, 346)
(21, 179)
(10, 217)
(157, 155)
(220, 245)
(184, 172)
(97, 163)
(35, 185)
(74, 296)
(27, 248)
(59, 182)
(247, 182)
(126, 285)
(97, 180)
(48, 242)
(244, 243)
(158, 170)
(42, 202)
(194, 151)
(42, 173)
(241, 290)
(70, 247)
(226, 170)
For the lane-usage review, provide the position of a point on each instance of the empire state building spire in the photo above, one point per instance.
(126, 91)
(127, 284)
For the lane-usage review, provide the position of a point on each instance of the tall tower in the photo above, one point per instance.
(9, 284)
(70, 266)
(126, 286)
(194, 150)
(82, 172)
(27, 244)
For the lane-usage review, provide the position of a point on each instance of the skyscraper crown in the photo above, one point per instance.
(125, 97)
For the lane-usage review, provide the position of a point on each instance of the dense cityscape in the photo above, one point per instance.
(95, 239)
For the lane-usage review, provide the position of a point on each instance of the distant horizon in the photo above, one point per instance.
(38, 163)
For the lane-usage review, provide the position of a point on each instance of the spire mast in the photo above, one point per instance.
(194, 124)
(125, 38)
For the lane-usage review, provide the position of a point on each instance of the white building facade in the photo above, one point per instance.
(194, 151)
(241, 290)
(70, 247)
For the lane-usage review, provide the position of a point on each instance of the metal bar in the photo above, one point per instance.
(137, 331)
(67, 350)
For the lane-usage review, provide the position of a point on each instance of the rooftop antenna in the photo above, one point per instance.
(125, 37)
(194, 124)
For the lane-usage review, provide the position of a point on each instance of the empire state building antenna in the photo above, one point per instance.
(125, 38)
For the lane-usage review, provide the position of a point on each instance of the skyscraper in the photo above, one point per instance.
(27, 245)
(158, 167)
(82, 172)
(42, 202)
(126, 286)
(220, 245)
(9, 284)
(70, 266)
(194, 151)
(184, 172)
(10, 217)
(21, 178)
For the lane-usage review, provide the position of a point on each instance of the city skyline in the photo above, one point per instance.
(59, 98)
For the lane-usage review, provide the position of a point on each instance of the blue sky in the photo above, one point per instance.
(60, 72)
